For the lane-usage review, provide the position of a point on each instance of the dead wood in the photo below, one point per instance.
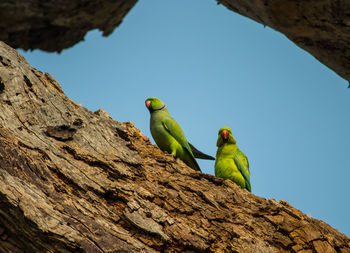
(72, 180)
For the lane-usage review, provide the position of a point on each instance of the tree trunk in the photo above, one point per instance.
(321, 27)
(72, 180)
(59, 24)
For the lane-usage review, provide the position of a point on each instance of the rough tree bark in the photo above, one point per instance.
(59, 24)
(321, 27)
(72, 180)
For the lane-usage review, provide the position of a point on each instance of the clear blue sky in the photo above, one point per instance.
(212, 67)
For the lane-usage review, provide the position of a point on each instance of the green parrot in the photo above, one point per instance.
(169, 136)
(230, 162)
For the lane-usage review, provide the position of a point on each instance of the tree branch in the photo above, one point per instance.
(76, 181)
(56, 25)
(319, 27)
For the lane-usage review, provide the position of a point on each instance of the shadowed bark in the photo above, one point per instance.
(72, 180)
(59, 24)
(321, 27)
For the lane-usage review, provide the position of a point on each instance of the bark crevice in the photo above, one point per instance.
(72, 180)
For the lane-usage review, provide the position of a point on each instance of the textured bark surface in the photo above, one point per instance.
(76, 181)
(321, 27)
(59, 24)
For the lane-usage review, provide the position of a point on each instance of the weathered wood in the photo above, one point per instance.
(76, 181)
(321, 27)
(59, 24)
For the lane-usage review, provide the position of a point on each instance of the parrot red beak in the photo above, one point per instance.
(224, 134)
(148, 103)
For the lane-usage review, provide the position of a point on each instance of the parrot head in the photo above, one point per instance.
(154, 104)
(225, 136)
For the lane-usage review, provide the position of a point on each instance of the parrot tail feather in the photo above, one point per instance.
(199, 154)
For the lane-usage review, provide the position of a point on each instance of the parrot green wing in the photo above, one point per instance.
(242, 164)
(174, 129)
